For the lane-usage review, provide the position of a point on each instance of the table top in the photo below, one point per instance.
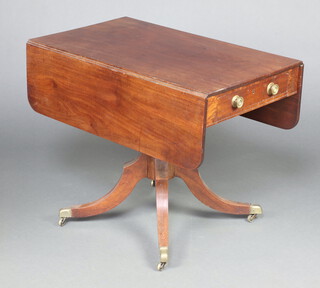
(154, 89)
(197, 64)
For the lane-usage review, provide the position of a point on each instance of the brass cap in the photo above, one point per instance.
(65, 213)
(164, 254)
(255, 209)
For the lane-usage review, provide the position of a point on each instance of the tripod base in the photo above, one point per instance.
(159, 172)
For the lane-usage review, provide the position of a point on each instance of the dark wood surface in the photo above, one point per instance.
(155, 89)
(132, 173)
(174, 57)
(255, 96)
(156, 120)
(160, 171)
(163, 172)
(283, 114)
(203, 193)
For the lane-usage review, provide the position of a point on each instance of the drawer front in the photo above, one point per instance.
(254, 95)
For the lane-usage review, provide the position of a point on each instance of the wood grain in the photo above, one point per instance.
(173, 57)
(162, 212)
(285, 113)
(201, 191)
(254, 94)
(155, 120)
(154, 89)
(133, 172)
(163, 172)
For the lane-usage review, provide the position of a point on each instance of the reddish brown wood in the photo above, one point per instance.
(162, 201)
(133, 172)
(255, 95)
(150, 88)
(206, 196)
(161, 171)
(284, 113)
(155, 90)
(173, 57)
(153, 119)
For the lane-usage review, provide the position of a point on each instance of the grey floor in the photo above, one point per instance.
(46, 165)
(245, 161)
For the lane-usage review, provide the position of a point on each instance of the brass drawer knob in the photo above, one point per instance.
(272, 89)
(237, 101)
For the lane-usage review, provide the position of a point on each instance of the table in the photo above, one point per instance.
(156, 90)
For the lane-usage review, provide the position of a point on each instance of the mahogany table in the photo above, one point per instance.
(156, 90)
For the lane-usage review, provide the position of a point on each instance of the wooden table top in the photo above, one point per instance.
(194, 63)
(155, 89)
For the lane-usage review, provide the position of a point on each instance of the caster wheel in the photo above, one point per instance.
(161, 266)
(62, 221)
(251, 217)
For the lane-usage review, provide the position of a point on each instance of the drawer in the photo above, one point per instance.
(254, 95)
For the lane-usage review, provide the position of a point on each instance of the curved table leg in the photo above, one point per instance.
(163, 217)
(201, 191)
(133, 172)
(162, 174)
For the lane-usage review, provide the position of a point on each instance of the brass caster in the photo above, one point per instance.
(255, 210)
(251, 217)
(153, 183)
(64, 214)
(161, 266)
(163, 258)
(62, 221)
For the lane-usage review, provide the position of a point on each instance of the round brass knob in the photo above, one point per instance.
(272, 89)
(237, 101)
